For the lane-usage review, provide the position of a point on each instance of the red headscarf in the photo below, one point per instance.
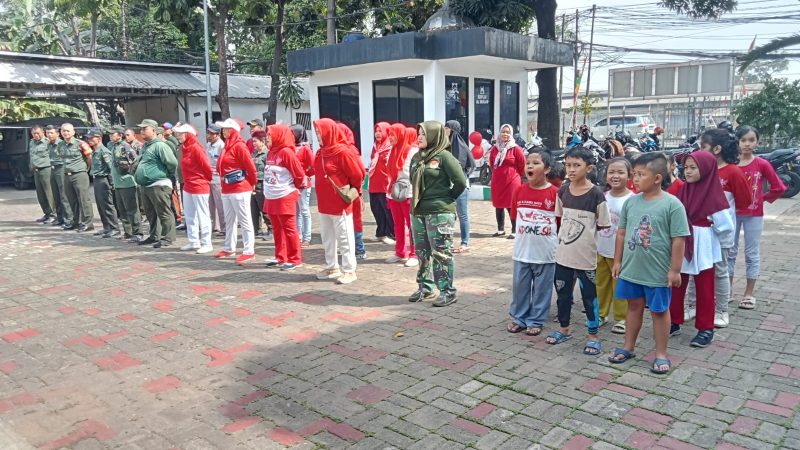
(399, 151)
(347, 137)
(332, 139)
(384, 129)
(702, 198)
(281, 136)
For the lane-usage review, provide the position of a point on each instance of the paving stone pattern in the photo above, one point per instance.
(106, 345)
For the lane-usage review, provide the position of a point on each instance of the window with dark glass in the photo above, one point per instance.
(484, 105)
(509, 104)
(456, 100)
(340, 103)
(398, 100)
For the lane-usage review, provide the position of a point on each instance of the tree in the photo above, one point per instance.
(761, 71)
(767, 50)
(775, 111)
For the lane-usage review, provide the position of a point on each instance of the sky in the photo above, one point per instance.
(644, 25)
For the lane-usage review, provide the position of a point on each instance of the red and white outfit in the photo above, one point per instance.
(336, 163)
(283, 176)
(236, 196)
(400, 167)
(197, 173)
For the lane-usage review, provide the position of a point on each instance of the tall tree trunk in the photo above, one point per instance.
(123, 11)
(76, 32)
(222, 52)
(93, 39)
(547, 79)
(274, 73)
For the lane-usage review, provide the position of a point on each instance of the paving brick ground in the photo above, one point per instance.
(105, 345)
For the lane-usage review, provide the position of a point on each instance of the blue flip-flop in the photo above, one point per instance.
(558, 337)
(593, 344)
(661, 362)
(626, 355)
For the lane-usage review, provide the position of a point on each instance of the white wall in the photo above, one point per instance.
(166, 109)
(434, 73)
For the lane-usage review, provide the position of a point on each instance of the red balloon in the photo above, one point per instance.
(475, 138)
(477, 152)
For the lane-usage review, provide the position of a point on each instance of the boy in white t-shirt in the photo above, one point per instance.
(533, 205)
(618, 172)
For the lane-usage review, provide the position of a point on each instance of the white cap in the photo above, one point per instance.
(229, 123)
(184, 128)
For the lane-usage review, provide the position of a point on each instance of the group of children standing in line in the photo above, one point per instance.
(637, 243)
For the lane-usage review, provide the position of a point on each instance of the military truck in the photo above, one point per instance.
(15, 163)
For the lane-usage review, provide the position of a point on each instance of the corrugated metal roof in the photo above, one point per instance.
(244, 86)
(80, 76)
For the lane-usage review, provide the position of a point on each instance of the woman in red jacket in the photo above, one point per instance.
(306, 157)
(283, 176)
(238, 176)
(196, 170)
(358, 204)
(508, 168)
(336, 166)
(379, 183)
(399, 203)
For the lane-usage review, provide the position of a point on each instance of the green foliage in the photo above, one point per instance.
(510, 15)
(709, 9)
(761, 71)
(762, 51)
(289, 91)
(775, 111)
(16, 110)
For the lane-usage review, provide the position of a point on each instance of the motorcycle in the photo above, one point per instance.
(785, 162)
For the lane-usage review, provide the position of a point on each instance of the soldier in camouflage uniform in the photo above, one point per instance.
(437, 181)
(102, 160)
(40, 164)
(124, 185)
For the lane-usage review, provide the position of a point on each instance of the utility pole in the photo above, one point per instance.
(209, 115)
(561, 79)
(331, 22)
(575, 86)
(589, 73)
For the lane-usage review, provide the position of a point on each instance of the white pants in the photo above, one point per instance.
(198, 220)
(215, 207)
(338, 236)
(237, 212)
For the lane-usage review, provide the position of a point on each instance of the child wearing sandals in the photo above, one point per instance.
(647, 258)
(533, 206)
(711, 224)
(751, 218)
(583, 210)
(618, 173)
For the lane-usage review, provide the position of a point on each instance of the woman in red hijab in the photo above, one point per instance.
(237, 176)
(196, 170)
(709, 223)
(399, 198)
(508, 168)
(283, 176)
(358, 204)
(336, 167)
(379, 182)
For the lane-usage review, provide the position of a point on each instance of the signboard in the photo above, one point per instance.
(45, 94)
(712, 77)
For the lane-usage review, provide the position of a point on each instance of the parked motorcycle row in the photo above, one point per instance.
(786, 162)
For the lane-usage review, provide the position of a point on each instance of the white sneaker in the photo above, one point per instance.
(412, 262)
(190, 246)
(388, 241)
(721, 320)
(347, 278)
(205, 249)
(394, 259)
(376, 239)
(329, 274)
(689, 314)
